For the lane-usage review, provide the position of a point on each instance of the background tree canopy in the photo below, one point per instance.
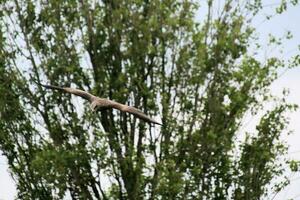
(199, 77)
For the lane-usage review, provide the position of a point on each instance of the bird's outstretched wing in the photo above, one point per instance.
(104, 103)
(77, 92)
(134, 111)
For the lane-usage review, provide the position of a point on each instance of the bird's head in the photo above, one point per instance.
(94, 106)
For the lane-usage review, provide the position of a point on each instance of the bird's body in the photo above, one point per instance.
(98, 103)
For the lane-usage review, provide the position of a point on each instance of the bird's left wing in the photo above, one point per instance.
(74, 91)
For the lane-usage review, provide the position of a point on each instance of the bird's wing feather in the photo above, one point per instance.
(134, 111)
(77, 92)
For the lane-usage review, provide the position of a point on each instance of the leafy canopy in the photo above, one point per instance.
(201, 78)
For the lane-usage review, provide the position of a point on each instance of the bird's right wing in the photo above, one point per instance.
(136, 112)
(77, 92)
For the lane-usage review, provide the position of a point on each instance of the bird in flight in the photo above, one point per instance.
(97, 103)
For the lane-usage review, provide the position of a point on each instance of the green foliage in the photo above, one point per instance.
(200, 78)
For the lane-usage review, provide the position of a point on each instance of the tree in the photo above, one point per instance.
(200, 78)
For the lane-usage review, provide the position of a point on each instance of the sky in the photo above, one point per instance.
(289, 79)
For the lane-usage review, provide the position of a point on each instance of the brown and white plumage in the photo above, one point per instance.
(98, 103)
